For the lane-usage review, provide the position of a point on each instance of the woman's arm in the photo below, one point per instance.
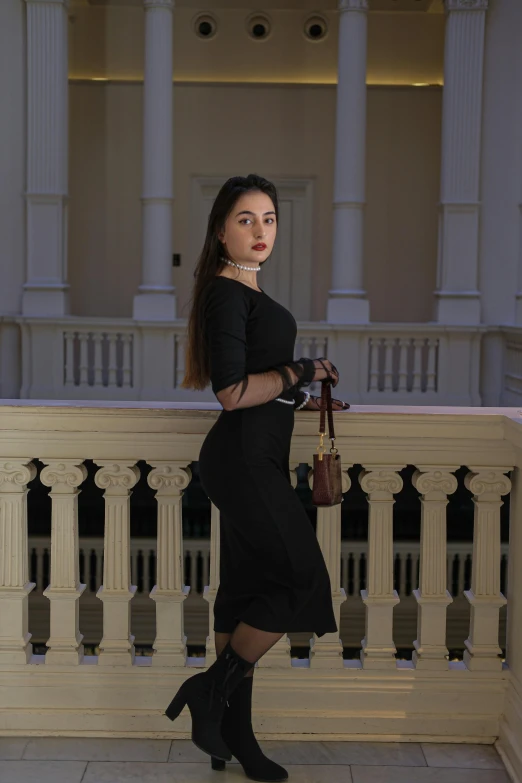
(258, 388)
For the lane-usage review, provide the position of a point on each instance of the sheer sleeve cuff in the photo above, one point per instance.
(304, 368)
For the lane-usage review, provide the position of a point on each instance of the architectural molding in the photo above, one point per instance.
(353, 5)
(466, 5)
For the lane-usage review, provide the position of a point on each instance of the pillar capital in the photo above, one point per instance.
(466, 5)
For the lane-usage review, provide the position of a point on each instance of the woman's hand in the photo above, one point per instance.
(325, 370)
(314, 404)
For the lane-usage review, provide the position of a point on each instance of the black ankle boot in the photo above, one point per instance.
(237, 732)
(206, 695)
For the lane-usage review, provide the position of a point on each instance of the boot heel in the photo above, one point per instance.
(218, 764)
(176, 705)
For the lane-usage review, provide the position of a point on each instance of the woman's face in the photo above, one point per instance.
(250, 230)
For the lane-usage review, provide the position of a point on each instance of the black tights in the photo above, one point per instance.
(250, 643)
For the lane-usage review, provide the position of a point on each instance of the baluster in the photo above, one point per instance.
(210, 590)
(69, 358)
(432, 595)
(373, 382)
(14, 561)
(327, 651)
(98, 358)
(84, 357)
(169, 592)
(403, 364)
(431, 376)
(400, 557)
(64, 591)
(417, 364)
(487, 485)
(388, 364)
(113, 364)
(356, 573)
(127, 340)
(116, 592)
(378, 650)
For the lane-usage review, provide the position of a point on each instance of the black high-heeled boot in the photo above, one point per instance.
(206, 695)
(237, 732)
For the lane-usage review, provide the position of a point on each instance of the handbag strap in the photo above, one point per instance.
(326, 408)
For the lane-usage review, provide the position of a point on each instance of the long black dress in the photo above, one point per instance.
(272, 573)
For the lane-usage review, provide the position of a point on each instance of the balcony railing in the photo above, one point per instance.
(117, 693)
(107, 359)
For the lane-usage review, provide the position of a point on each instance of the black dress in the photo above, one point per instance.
(272, 572)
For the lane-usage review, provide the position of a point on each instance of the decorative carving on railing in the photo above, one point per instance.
(170, 644)
(14, 567)
(432, 595)
(380, 483)
(64, 477)
(488, 485)
(116, 592)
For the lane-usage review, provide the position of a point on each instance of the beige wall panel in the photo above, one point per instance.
(402, 193)
(276, 132)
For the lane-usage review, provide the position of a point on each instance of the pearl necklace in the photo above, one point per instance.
(239, 266)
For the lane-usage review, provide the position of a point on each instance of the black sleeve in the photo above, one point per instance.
(225, 317)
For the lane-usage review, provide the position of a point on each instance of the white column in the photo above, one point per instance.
(155, 300)
(116, 592)
(381, 482)
(14, 561)
(457, 295)
(432, 595)
(46, 291)
(347, 298)
(169, 592)
(327, 651)
(487, 485)
(65, 643)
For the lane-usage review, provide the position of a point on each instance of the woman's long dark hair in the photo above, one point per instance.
(197, 362)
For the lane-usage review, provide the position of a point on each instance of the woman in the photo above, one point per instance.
(273, 576)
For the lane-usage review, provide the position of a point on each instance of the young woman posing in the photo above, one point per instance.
(273, 578)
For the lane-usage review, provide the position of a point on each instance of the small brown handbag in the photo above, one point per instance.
(327, 478)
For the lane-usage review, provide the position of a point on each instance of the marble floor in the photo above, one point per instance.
(82, 760)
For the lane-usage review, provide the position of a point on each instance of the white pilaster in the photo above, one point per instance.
(327, 651)
(46, 291)
(457, 295)
(14, 563)
(210, 590)
(169, 592)
(155, 299)
(65, 643)
(348, 301)
(381, 483)
(116, 592)
(487, 485)
(432, 595)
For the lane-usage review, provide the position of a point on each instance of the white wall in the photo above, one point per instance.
(284, 131)
(12, 185)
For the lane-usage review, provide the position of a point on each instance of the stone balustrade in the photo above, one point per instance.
(117, 693)
(106, 359)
